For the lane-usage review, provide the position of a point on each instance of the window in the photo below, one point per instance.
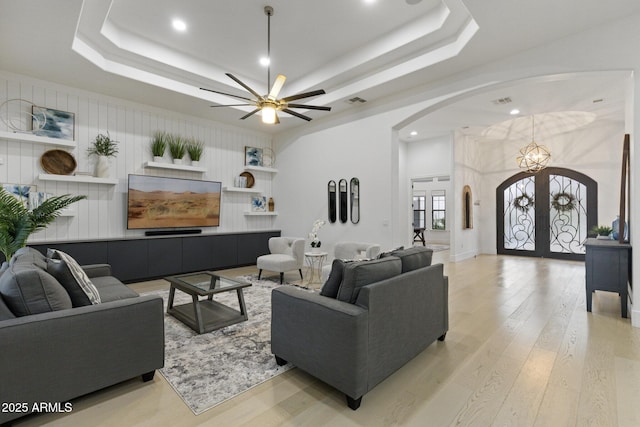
(419, 211)
(438, 211)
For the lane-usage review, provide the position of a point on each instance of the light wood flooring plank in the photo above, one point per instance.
(628, 391)
(521, 405)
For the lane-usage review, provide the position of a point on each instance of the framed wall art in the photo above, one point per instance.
(20, 192)
(53, 123)
(258, 204)
(253, 156)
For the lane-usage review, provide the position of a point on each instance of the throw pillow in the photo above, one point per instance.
(26, 290)
(331, 286)
(414, 258)
(362, 273)
(73, 278)
(28, 255)
(389, 252)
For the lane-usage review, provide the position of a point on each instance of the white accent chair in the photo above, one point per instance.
(287, 253)
(351, 251)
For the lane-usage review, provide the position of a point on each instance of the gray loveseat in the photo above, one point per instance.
(370, 318)
(55, 347)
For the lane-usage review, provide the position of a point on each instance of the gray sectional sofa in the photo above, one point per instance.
(56, 344)
(370, 318)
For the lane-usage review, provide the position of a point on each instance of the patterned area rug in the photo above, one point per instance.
(208, 369)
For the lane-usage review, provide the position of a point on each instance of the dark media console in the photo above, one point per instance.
(149, 258)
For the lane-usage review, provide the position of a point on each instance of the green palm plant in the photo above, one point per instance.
(17, 222)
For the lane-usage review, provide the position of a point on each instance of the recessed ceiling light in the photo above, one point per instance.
(413, 133)
(179, 25)
(264, 61)
(514, 112)
(369, 1)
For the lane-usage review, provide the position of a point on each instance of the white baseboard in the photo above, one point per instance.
(462, 256)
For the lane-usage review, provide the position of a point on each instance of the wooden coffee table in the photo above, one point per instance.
(206, 315)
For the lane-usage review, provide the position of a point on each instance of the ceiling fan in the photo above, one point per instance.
(270, 104)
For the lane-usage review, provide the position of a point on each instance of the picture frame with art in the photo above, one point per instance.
(253, 156)
(53, 123)
(258, 204)
(27, 194)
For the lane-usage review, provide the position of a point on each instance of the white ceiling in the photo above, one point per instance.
(127, 49)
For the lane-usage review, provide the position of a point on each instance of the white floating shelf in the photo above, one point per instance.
(76, 178)
(261, 169)
(67, 212)
(241, 190)
(247, 213)
(174, 167)
(29, 137)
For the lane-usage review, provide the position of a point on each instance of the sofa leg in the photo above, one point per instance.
(354, 403)
(300, 270)
(281, 277)
(148, 376)
(259, 274)
(280, 361)
(441, 337)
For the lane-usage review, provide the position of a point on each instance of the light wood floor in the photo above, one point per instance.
(521, 351)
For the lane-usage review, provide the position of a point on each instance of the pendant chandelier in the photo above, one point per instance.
(533, 157)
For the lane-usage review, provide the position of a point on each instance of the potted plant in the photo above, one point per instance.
(17, 222)
(158, 145)
(103, 147)
(315, 240)
(195, 149)
(602, 231)
(177, 148)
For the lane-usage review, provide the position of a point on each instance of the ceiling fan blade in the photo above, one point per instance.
(250, 114)
(309, 107)
(293, 113)
(227, 94)
(237, 80)
(232, 105)
(277, 86)
(304, 95)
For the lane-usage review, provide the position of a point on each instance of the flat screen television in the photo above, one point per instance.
(158, 202)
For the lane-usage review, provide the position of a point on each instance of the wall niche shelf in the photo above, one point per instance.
(77, 178)
(247, 213)
(29, 137)
(241, 190)
(261, 169)
(174, 167)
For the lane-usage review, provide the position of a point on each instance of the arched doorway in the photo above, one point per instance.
(547, 214)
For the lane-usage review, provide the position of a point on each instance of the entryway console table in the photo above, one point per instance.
(608, 268)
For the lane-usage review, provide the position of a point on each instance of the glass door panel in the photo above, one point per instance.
(567, 215)
(519, 215)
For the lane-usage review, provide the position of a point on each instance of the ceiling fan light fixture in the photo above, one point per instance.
(269, 114)
(269, 104)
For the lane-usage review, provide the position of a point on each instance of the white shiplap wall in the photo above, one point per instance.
(103, 214)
